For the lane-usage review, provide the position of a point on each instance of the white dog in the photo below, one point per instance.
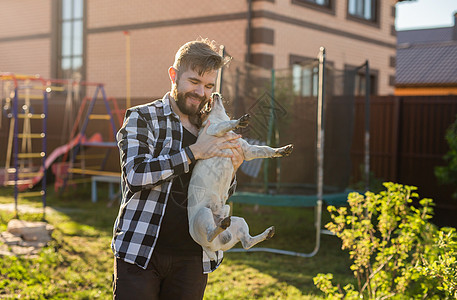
(210, 224)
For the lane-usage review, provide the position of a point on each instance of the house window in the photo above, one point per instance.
(363, 9)
(305, 80)
(360, 84)
(320, 2)
(70, 59)
(325, 6)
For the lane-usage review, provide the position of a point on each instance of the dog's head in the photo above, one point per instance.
(215, 106)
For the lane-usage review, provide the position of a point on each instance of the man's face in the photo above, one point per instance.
(193, 91)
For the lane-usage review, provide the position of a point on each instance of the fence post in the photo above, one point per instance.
(396, 110)
(320, 127)
(367, 126)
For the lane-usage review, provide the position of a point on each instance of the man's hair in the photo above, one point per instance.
(200, 56)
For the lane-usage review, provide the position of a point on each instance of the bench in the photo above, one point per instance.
(104, 178)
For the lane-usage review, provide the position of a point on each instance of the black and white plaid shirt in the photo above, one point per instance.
(151, 155)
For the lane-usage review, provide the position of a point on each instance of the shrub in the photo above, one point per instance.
(448, 174)
(393, 247)
(440, 262)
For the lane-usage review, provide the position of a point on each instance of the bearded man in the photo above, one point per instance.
(155, 257)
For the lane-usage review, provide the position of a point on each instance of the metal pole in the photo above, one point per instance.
(270, 129)
(320, 148)
(367, 126)
(221, 71)
(44, 147)
(320, 126)
(108, 110)
(15, 148)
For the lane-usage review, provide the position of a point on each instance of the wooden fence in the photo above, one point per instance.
(407, 141)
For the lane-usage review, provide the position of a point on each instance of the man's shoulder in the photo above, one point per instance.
(151, 108)
(146, 106)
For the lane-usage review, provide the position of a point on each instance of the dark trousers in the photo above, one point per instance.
(166, 277)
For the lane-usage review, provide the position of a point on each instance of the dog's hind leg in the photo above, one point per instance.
(248, 241)
(240, 232)
(204, 229)
(214, 232)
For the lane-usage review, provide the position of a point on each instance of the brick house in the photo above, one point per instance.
(55, 38)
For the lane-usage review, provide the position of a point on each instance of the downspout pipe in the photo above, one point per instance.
(248, 32)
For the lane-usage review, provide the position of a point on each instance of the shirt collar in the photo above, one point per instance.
(167, 110)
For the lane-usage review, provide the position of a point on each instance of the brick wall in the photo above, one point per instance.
(152, 53)
(26, 57)
(104, 13)
(25, 38)
(301, 31)
(25, 18)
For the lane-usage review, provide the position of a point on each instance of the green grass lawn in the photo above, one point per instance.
(77, 264)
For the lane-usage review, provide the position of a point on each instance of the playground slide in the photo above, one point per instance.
(96, 137)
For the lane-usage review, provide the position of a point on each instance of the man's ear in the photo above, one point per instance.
(172, 73)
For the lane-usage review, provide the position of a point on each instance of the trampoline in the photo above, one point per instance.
(289, 106)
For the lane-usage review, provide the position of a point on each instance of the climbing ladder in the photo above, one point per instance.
(75, 161)
(25, 162)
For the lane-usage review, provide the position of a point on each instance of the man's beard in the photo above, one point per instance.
(188, 109)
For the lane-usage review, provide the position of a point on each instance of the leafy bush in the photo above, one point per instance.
(440, 262)
(448, 174)
(393, 248)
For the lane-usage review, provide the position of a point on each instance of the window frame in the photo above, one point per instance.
(60, 20)
(375, 21)
(329, 8)
(311, 76)
(359, 89)
(303, 60)
(295, 60)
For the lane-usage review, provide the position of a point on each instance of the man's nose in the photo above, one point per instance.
(200, 90)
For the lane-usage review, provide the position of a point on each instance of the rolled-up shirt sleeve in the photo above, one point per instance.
(141, 170)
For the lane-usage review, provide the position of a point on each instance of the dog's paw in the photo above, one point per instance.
(226, 223)
(284, 151)
(271, 233)
(243, 121)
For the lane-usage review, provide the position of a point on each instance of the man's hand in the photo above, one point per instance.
(208, 146)
(237, 158)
